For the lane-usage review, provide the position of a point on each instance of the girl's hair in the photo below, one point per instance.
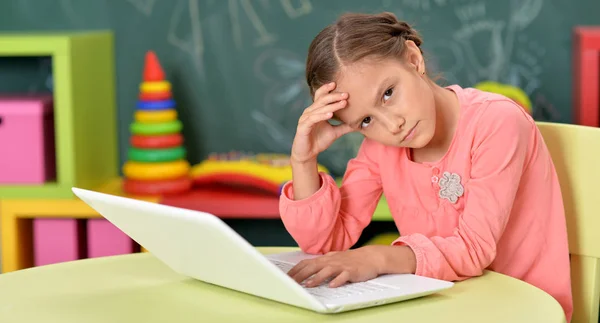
(352, 37)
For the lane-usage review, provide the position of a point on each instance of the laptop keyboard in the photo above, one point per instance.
(346, 290)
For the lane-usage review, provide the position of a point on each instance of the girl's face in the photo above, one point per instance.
(390, 101)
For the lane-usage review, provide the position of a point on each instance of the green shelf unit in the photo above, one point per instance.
(83, 69)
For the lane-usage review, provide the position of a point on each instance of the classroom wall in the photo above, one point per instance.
(237, 66)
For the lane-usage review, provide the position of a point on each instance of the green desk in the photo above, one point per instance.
(139, 288)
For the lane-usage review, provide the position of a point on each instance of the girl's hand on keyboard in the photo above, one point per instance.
(354, 266)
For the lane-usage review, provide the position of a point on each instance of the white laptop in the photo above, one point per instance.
(201, 246)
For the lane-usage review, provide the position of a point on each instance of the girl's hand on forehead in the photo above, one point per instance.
(314, 133)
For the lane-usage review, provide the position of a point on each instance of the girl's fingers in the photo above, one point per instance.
(326, 100)
(332, 107)
(309, 122)
(342, 129)
(324, 89)
(321, 276)
(340, 280)
(306, 272)
(331, 98)
(299, 266)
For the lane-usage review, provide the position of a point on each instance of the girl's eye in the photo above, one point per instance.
(387, 94)
(365, 123)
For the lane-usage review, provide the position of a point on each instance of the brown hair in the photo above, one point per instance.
(352, 37)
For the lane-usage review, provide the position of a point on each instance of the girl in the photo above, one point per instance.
(467, 176)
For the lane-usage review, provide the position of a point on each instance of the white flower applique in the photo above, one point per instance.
(450, 187)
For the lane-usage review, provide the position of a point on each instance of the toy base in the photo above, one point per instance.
(159, 187)
(240, 181)
(227, 202)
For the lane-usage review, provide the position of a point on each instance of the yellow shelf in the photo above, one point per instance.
(16, 223)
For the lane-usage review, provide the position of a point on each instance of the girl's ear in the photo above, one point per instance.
(414, 56)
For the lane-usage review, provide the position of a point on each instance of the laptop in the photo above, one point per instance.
(201, 246)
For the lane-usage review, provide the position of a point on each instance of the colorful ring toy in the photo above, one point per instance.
(162, 187)
(156, 155)
(162, 128)
(156, 116)
(157, 86)
(151, 96)
(156, 105)
(156, 171)
(157, 142)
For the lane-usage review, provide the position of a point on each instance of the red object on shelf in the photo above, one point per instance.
(157, 187)
(227, 202)
(586, 76)
(241, 181)
(153, 72)
(157, 141)
(151, 96)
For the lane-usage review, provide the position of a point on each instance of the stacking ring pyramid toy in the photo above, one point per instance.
(156, 158)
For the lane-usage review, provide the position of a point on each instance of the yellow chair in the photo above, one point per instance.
(575, 151)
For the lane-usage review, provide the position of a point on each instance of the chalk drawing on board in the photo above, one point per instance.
(236, 29)
(264, 36)
(511, 57)
(524, 78)
(544, 109)
(416, 4)
(266, 4)
(470, 12)
(446, 55)
(422, 5)
(304, 9)
(283, 72)
(143, 6)
(525, 68)
(193, 43)
(275, 136)
(491, 31)
(273, 64)
(522, 14)
(527, 57)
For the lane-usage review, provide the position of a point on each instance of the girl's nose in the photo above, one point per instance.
(393, 124)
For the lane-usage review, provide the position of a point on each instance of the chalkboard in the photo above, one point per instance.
(237, 65)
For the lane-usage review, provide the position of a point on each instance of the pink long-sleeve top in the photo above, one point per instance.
(493, 201)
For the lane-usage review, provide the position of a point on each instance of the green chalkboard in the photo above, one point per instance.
(237, 65)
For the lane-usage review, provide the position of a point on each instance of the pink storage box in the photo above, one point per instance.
(105, 239)
(27, 154)
(58, 240)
